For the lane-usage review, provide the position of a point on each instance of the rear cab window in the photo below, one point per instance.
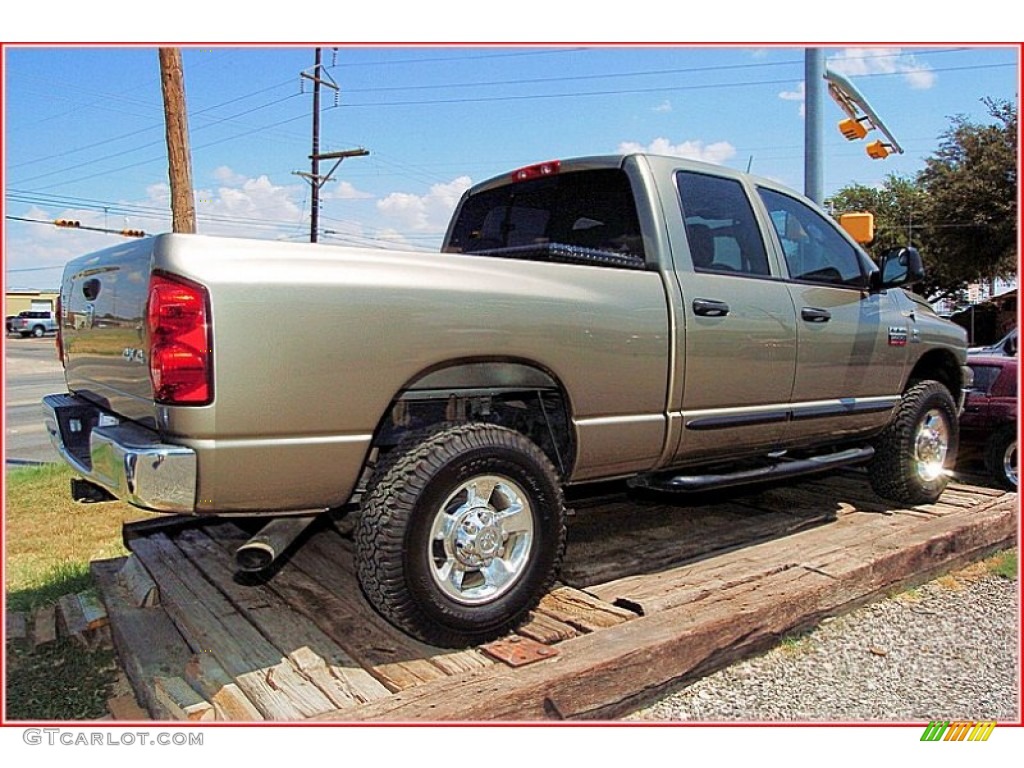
(581, 217)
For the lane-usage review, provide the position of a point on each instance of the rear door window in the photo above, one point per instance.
(720, 226)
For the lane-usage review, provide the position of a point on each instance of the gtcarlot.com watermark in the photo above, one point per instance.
(63, 737)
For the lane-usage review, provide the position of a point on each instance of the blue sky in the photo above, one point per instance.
(83, 131)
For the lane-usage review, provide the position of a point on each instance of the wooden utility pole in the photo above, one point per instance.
(183, 210)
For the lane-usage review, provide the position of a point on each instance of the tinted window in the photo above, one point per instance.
(984, 377)
(589, 213)
(720, 227)
(813, 248)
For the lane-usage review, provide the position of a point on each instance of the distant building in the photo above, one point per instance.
(21, 300)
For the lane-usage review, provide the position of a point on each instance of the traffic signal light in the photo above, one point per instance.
(67, 223)
(852, 129)
(878, 150)
(133, 233)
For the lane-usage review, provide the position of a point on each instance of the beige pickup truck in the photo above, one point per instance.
(681, 325)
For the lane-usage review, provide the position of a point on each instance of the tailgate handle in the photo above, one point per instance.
(710, 308)
(815, 315)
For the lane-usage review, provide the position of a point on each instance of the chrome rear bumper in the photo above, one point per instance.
(122, 457)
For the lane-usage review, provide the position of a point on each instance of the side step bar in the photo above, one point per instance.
(784, 469)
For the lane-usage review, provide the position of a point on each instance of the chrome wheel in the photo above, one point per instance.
(1010, 463)
(931, 444)
(480, 539)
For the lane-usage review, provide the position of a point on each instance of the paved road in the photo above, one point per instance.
(31, 371)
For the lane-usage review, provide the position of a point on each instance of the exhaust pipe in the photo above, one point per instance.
(273, 539)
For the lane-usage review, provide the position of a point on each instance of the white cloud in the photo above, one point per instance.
(883, 61)
(343, 190)
(665, 106)
(717, 152)
(424, 213)
(799, 93)
(225, 175)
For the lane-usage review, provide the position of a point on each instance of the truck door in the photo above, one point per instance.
(739, 344)
(851, 344)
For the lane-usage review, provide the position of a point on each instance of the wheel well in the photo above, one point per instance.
(939, 365)
(513, 395)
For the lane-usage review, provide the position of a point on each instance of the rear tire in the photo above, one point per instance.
(39, 331)
(915, 455)
(461, 534)
(1001, 457)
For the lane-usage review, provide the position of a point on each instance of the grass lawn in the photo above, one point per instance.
(49, 540)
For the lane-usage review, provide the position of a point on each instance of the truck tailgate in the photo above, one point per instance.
(103, 302)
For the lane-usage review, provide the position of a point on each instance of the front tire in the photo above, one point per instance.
(915, 455)
(461, 534)
(1001, 457)
(39, 331)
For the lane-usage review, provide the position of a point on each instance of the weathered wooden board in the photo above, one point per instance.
(605, 673)
(210, 624)
(651, 593)
(146, 640)
(315, 654)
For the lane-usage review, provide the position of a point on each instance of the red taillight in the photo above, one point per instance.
(180, 358)
(536, 171)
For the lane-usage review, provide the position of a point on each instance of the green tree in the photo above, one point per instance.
(898, 207)
(970, 187)
(960, 211)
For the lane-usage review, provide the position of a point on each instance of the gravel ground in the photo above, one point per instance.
(946, 650)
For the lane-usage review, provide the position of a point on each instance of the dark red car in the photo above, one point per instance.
(989, 421)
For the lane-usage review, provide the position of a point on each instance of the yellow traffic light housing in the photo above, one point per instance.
(878, 150)
(67, 223)
(859, 226)
(852, 129)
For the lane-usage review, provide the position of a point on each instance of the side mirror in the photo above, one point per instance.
(899, 266)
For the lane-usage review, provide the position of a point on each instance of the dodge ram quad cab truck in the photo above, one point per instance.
(634, 316)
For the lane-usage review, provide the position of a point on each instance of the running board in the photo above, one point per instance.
(784, 469)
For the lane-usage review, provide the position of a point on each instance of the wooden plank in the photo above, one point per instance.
(209, 623)
(602, 674)
(136, 581)
(181, 701)
(165, 524)
(693, 582)
(147, 643)
(315, 654)
(662, 536)
(71, 620)
(545, 629)
(582, 611)
(93, 612)
(125, 707)
(316, 583)
(340, 611)
(44, 625)
(206, 676)
(336, 569)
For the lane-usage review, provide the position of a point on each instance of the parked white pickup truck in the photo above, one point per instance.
(679, 324)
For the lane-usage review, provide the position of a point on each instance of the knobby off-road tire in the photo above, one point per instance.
(1001, 457)
(915, 455)
(461, 534)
